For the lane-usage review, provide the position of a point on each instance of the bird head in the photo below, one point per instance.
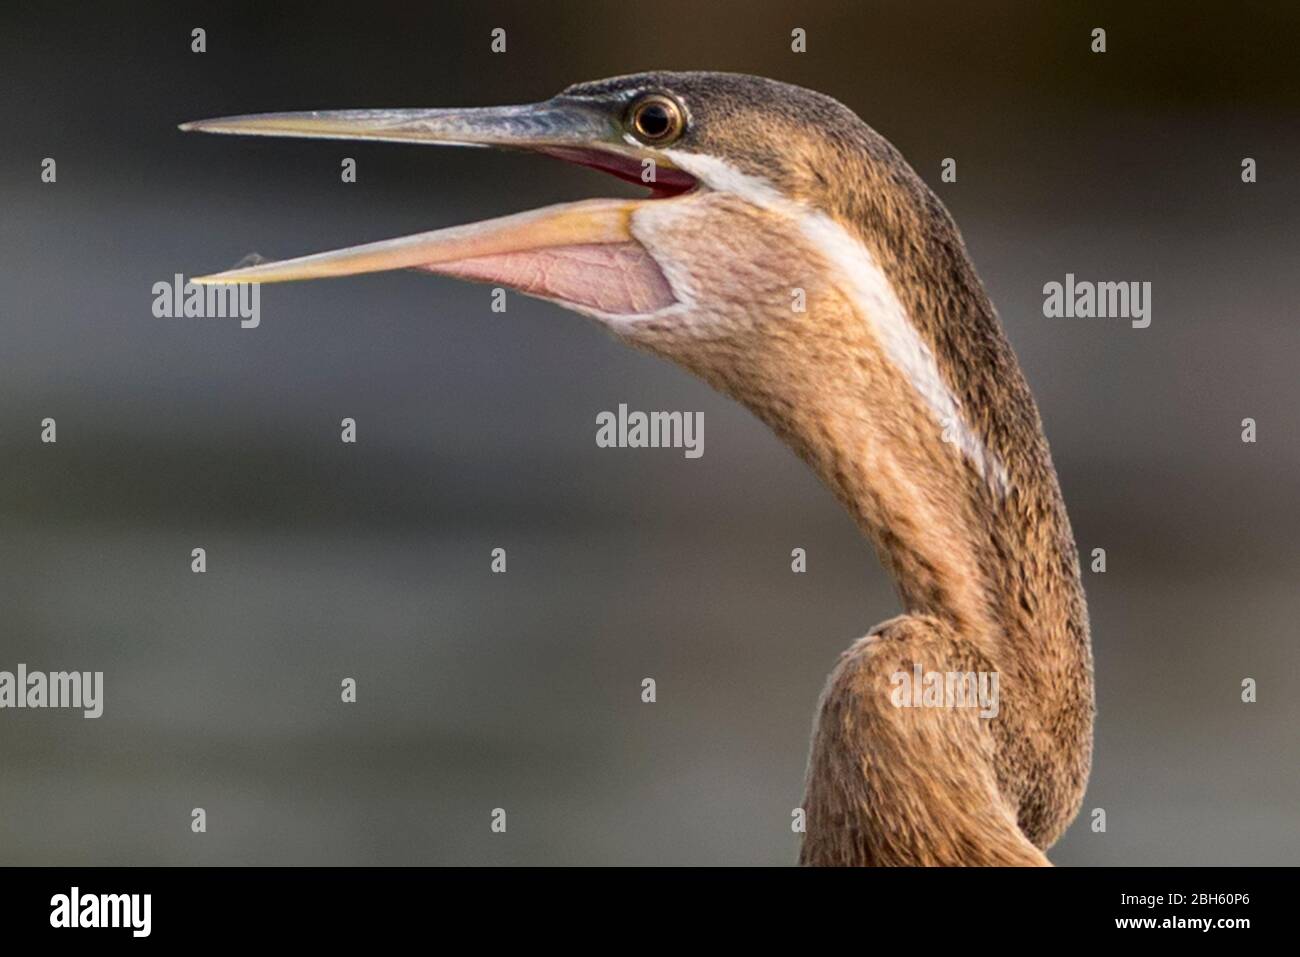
(744, 174)
(783, 244)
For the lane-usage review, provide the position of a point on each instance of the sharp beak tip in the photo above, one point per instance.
(214, 279)
(220, 125)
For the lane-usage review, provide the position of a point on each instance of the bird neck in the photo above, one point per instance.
(973, 534)
(966, 514)
(897, 386)
(942, 526)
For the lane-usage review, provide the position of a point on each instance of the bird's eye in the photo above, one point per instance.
(657, 119)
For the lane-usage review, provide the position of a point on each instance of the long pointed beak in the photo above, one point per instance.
(581, 254)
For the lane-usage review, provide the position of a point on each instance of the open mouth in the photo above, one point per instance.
(584, 254)
(667, 182)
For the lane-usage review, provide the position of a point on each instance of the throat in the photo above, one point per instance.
(979, 541)
(933, 517)
(897, 386)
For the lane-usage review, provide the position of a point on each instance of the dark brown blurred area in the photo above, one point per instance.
(476, 430)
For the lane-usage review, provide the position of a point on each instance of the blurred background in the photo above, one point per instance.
(476, 431)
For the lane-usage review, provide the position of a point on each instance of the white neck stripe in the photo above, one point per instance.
(871, 290)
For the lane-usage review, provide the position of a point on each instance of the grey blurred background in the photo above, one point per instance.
(477, 430)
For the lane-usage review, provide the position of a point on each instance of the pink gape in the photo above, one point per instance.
(614, 278)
